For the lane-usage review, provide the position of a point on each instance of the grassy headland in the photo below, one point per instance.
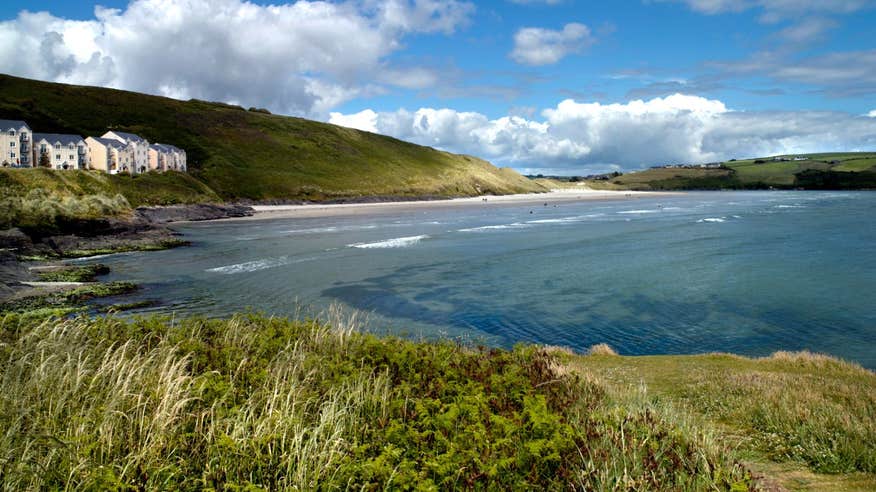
(851, 170)
(265, 403)
(236, 154)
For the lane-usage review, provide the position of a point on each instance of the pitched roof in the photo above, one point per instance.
(12, 124)
(110, 142)
(62, 138)
(165, 147)
(128, 136)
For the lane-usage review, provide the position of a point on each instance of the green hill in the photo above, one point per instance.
(250, 154)
(848, 170)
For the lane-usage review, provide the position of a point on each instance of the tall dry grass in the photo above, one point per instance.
(255, 402)
(39, 208)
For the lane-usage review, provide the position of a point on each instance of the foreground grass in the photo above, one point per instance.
(808, 420)
(262, 403)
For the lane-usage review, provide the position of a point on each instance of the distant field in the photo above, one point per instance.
(856, 165)
(818, 170)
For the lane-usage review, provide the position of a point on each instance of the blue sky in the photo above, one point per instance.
(566, 86)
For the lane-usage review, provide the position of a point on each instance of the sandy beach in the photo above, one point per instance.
(346, 209)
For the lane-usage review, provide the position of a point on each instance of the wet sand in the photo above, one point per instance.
(351, 209)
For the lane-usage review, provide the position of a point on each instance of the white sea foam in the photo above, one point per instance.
(254, 266)
(399, 242)
(97, 257)
(564, 220)
(713, 219)
(790, 206)
(516, 225)
(320, 230)
(639, 212)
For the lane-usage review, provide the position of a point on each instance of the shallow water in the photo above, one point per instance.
(743, 272)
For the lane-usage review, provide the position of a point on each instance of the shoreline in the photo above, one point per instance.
(316, 210)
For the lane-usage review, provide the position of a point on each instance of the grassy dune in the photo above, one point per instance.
(238, 154)
(41, 197)
(264, 403)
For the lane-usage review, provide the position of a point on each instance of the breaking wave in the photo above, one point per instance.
(399, 242)
(516, 225)
(254, 266)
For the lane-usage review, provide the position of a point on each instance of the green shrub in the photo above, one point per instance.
(264, 403)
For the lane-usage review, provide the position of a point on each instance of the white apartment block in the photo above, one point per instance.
(15, 144)
(115, 152)
(140, 148)
(165, 157)
(59, 151)
(109, 155)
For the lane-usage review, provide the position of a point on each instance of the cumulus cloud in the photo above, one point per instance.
(577, 137)
(872, 114)
(537, 46)
(300, 58)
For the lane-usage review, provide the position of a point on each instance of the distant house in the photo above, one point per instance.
(110, 155)
(801, 158)
(59, 151)
(140, 148)
(15, 144)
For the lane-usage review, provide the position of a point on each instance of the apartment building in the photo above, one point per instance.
(110, 155)
(166, 157)
(15, 144)
(115, 152)
(139, 145)
(59, 151)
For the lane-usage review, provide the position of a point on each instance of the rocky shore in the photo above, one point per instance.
(145, 229)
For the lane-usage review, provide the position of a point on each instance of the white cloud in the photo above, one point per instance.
(583, 137)
(843, 74)
(301, 58)
(363, 120)
(807, 30)
(872, 114)
(536, 46)
(778, 9)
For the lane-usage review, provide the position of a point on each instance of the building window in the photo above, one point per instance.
(57, 146)
(71, 146)
(58, 157)
(72, 157)
(43, 148)
(12, 154)
(11, 133)
(12, 144)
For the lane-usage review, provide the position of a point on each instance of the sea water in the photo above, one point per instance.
(742, 272)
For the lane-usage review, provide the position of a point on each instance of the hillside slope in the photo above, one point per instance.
(847, 170)
(243, 154)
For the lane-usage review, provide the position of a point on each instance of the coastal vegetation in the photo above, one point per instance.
(253, 402)
(264, 403)
(236, 154)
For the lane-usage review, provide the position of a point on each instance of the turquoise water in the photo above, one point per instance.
(746, 272)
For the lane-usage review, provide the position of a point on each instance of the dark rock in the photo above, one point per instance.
(14, 239)
(177, 213)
